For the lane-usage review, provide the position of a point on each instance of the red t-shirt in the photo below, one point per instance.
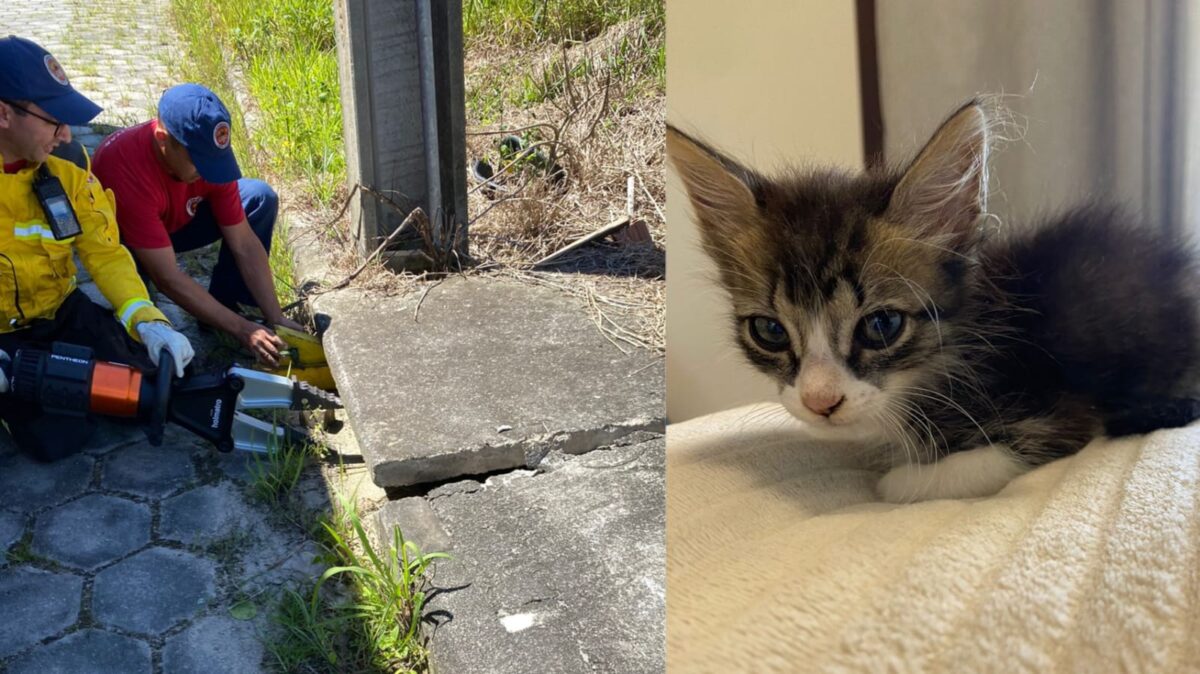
(150, 203)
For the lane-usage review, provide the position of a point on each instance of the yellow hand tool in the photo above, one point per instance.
(304, 359)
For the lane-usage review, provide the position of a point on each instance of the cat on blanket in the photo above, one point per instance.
(891, 310)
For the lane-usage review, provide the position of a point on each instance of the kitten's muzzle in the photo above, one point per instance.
(823, 404)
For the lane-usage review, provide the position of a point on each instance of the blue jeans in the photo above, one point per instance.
(261, 205)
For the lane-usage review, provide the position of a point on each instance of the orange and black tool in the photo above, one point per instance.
(67, 380)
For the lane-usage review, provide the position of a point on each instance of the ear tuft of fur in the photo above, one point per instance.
(719, 188)
(723, 197)
(943, 192)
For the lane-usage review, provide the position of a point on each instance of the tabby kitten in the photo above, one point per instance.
(888, 313)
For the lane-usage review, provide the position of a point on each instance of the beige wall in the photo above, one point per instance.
(769, 83)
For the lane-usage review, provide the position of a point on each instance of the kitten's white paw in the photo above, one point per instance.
(969, 474)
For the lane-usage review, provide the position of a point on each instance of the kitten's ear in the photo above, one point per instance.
(720, 190)
(945, 189)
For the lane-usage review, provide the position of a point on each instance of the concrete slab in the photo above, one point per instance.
(35, 604)
(153, 590)
(214, 645)
(561, 571)
(27, 486)
(87, 652)
(489, 374)
(92, 531)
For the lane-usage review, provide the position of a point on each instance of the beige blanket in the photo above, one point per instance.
(780, 558)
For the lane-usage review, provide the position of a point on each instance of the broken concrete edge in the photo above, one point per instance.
(521, 453)
(421, 525)
(424, 529)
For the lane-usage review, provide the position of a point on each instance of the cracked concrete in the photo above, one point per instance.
(558, 555)
(488, 354)
(557, 570)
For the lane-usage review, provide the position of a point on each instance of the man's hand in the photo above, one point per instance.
(261, 342)
(156, 335)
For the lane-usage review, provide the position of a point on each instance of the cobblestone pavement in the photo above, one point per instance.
(117, 52)
(129, 558)
(126, 557)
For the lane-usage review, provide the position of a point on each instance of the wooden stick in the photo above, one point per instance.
(611, 227)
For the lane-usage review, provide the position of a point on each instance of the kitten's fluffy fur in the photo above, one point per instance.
(1015, 346)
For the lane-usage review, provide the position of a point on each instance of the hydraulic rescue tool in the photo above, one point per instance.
(67, 380)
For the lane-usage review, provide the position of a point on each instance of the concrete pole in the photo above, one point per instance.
(401, 68)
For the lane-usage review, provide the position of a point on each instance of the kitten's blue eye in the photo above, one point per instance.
(880, 329)
(769, 333)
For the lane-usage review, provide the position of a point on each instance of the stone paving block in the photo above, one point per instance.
(12, 525)
(26, 485)
(35, 604)
(561, 571)
(206, 514)
(87, 652)
(92, 531)
(276, 559)
(93, 65)
(148, 471)
(491, 375)
(214, 645)
(238, 466)
(111, 435)
(153, 590)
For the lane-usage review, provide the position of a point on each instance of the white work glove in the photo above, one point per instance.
(4, 361)
(156, 334)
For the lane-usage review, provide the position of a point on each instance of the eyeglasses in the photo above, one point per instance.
(57, 124)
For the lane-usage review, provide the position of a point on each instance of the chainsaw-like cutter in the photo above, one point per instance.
(67, 380)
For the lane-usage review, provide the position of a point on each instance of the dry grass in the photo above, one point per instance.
(602, 117)
(604, 125)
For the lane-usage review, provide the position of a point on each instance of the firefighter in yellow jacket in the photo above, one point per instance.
(49, 210)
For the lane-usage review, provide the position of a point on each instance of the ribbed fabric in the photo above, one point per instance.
(780, 558)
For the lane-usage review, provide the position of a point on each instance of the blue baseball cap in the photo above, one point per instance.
(196, 118)
(30, 73)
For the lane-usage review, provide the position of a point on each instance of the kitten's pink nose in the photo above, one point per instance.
(823, 404)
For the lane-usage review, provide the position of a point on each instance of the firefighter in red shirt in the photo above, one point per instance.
(178, 187)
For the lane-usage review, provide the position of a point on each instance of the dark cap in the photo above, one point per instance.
(196, 118)
(30, 73)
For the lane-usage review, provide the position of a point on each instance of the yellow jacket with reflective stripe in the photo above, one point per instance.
(37, 272)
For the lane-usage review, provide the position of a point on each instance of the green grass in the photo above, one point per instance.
(21, 552)
(375, 629)
(283, 265)
(285, 50)
(278, 471)
(274, 474)
(301, 136)
(635, 65)
(526, 21)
